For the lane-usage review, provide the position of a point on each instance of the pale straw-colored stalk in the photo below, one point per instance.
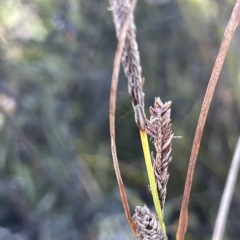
(224, 207)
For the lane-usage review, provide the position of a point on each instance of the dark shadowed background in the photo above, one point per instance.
(56, 172)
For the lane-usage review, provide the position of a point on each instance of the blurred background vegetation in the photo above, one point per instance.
(56, 173)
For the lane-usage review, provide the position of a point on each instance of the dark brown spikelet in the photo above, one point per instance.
(130, 59)
(159, 129)
(147, 224)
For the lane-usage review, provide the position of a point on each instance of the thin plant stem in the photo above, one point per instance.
(228, 34)
(112, 108)
(151, 177)
(224, 207)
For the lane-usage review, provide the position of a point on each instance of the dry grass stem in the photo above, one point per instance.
(228, 34)
(147, 224)
(159, 128)
(130, 59)
(227, 196)
(112, 108)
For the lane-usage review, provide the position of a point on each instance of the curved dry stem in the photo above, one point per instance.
(228, 34)
(112, 108)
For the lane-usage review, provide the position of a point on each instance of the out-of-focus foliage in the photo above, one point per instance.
(56, 173)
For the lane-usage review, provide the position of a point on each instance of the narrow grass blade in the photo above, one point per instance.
(151, 178)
